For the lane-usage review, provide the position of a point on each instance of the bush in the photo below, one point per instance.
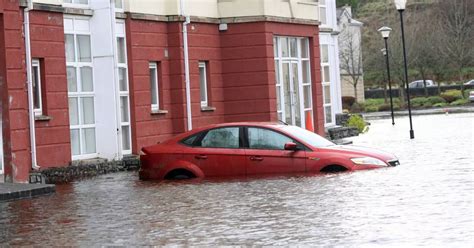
(436, 99)
(358, 122)
(466, 93)
(459, 102)
(451, 95)
(428, 105)
(418, 102)
(440, 105)
(371, 108)
(386, 107)
(348, 100)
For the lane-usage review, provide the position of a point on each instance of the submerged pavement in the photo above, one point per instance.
(14, 191)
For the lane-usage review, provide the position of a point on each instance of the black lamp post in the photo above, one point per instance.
(400, 4)
(385, 31)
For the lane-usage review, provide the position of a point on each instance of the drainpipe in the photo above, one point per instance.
(186, 65)
(29, 77)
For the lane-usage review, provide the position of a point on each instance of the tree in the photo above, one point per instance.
(351, 56)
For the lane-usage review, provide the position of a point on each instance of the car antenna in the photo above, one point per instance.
(283, 122)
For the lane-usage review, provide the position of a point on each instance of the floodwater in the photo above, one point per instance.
(426, 201)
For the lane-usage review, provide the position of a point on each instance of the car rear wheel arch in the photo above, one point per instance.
(179, 174)
(333, 168)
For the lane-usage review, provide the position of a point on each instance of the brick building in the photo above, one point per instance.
(107, 77)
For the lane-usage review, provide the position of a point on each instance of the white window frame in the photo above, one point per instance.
(36, 63)
(154, 66)
(325, 83)
(204, 103)
(120, 33)
(279, 61)
(77, 65)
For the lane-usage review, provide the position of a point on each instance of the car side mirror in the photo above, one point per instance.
(290, 146)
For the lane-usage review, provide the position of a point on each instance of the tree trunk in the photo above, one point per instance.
(355, 92)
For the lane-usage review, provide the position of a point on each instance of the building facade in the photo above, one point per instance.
(330, 75)
(350, 43)
(86, 79)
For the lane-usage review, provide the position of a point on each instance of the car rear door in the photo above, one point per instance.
(265, 153)
(219, 152)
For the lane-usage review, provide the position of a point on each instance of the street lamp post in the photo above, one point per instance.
(385, 31)
(400, 4)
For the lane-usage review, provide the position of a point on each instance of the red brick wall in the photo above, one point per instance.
(47, 44)
(16, 142)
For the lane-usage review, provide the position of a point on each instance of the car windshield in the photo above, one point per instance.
(307, 136)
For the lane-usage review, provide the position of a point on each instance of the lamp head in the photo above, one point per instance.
(385, 31)
(400, 4)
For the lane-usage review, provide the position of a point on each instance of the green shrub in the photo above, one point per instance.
(466, 93)
(358, 122)
(427, 105)
(459, 102)
(451, 95)
(436, 99)
(386, 106)
(374, 101)
(418, 102)
(440, 105)
(371, 108)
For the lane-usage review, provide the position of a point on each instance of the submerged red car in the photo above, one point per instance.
(253, 149)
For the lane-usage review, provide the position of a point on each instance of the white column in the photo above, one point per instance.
(104, 68)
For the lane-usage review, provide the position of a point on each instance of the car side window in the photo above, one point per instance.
(190, 140)
(222, 138)
(260, 138)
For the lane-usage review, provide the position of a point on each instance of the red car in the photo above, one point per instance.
(248, 149)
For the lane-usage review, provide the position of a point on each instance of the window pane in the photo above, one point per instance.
(153, 86)
(82, 1)
(278, 98)
(284, 47)
(326, 74)
(328, 114)
(296, 89)
(304, 48)
(36, 88)
(266, 139)
(323, 15)
(73, 111)
(121, 50)
(86, 78)
(202, 81)
(307, 96)
(69, 41)
(118, 4)
(222, 138)
(277, 72)
(75, 142)
(287, 92)
(275, 47)
(324, 54)
(125, 137)
(123, 83)
(68, 1)
(84, 44)
(71, 79)
(293, 48)
(87, 105)
(89, 140)
(306, 72)
(124, 108)
(327, 94)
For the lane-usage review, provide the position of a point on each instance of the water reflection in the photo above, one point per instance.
(428, 200)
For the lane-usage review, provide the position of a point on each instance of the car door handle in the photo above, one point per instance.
(200, 157)
(256, 158)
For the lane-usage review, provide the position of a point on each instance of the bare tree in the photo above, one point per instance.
(351, 57)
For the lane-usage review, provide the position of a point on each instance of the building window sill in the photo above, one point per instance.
(159, 112)
(207, 109)
(43, 118)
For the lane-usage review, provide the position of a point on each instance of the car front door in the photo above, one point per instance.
(220, 154)
(266, 154)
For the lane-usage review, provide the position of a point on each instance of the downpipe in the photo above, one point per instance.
(186, 66)
(29, 78)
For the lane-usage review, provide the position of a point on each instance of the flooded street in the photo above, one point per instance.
(426, 201)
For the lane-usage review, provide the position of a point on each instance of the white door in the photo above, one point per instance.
(291, 94)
